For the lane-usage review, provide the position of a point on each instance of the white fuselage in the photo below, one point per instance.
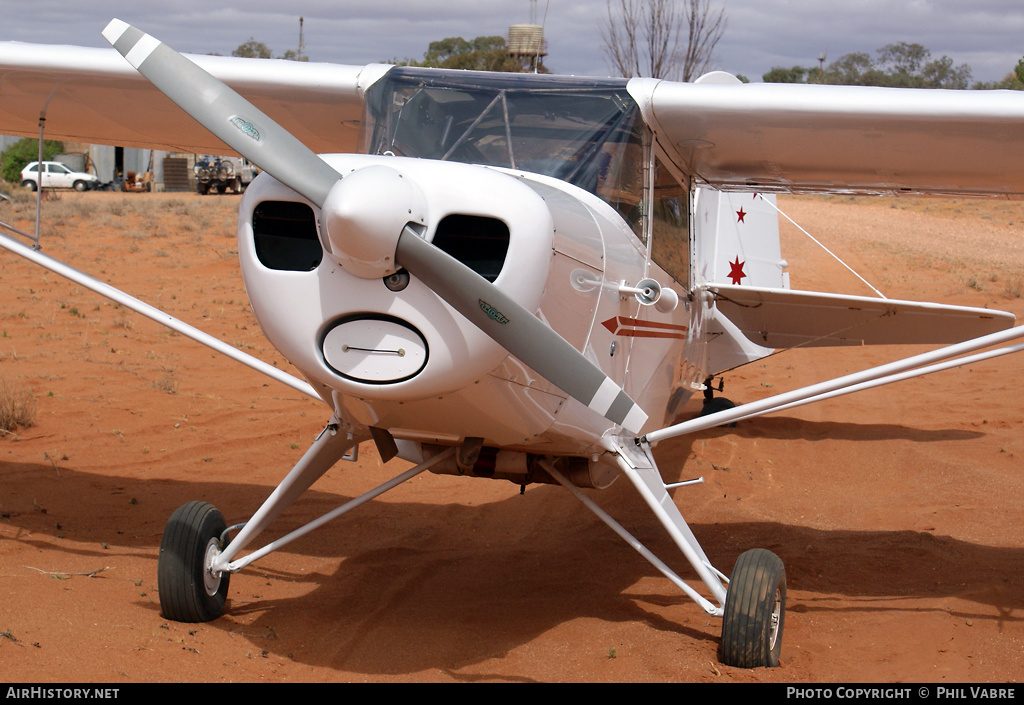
(406, 362)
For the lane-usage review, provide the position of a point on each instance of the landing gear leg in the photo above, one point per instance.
(193, 570)
(755, 610)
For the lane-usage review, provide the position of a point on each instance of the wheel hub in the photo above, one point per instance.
(776, 617)
(211, 577)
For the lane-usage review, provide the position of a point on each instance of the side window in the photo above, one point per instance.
(670, 232)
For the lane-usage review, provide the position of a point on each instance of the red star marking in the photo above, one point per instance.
(736, 271)
(740, 214)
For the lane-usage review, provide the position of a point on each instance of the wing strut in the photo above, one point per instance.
(900, 370)
(165, 319)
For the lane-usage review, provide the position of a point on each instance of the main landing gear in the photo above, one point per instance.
(751, 603)
(197, 559)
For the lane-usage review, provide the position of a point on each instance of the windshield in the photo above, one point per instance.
(581, 130)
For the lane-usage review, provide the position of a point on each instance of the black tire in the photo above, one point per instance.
(188, 592)
(716, 404)
(81, 186)
(29, 184)
(755, 611)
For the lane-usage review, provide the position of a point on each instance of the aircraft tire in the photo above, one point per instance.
(755, 611)
(192, 538)
(715, 405)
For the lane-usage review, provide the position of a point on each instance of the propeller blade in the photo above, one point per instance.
(518, 331)
(222, 111)
(255, 136)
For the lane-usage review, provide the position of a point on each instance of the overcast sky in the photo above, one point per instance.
(988, 35)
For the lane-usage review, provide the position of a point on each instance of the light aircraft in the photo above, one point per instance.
(525, 277)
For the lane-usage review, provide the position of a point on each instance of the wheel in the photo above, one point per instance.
(716, 404)
(81, 186)
(189, 592)
(755, 611)
(29, 184)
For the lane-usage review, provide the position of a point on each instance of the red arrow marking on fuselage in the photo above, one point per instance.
(635, 328)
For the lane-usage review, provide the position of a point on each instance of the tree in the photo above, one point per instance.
(252, 50)
(797, 74)
(900, 65)
(480, 54)
(673, 39)
(18, 155)
(1013, 81)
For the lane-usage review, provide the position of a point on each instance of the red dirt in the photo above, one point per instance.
(898, 512)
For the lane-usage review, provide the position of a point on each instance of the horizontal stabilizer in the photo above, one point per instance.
(782, 318)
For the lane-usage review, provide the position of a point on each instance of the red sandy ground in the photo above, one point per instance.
(898, 512)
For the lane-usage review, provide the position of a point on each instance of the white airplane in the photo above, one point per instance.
(525, 277)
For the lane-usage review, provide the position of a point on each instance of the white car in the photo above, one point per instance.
(56, 175)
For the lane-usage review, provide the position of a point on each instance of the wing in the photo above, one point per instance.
(95, 96)
(805, 138)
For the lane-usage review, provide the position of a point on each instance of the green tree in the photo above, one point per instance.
(1013, 81)
(18, 155)
(900, 65)
(480, 54)
(252, 50)
(797, 74)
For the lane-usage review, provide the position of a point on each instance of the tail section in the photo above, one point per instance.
(736, 242)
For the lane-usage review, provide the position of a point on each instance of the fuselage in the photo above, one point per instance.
(559, 207)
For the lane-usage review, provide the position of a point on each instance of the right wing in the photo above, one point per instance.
(95, 96)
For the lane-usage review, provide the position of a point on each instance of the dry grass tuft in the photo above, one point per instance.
(17, 407)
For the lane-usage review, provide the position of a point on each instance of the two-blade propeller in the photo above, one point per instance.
(252, 134)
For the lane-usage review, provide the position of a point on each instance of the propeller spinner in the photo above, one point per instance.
(373, 244)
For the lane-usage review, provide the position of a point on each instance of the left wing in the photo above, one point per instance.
(807, 138)
(95, 96)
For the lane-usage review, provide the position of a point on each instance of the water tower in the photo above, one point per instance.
(526, 45)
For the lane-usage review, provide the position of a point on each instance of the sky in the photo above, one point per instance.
(987, 35)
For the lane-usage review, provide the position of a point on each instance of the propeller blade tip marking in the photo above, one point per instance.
(135, 47)
(114, 30)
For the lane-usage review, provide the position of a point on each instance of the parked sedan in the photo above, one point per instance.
(56, 175)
